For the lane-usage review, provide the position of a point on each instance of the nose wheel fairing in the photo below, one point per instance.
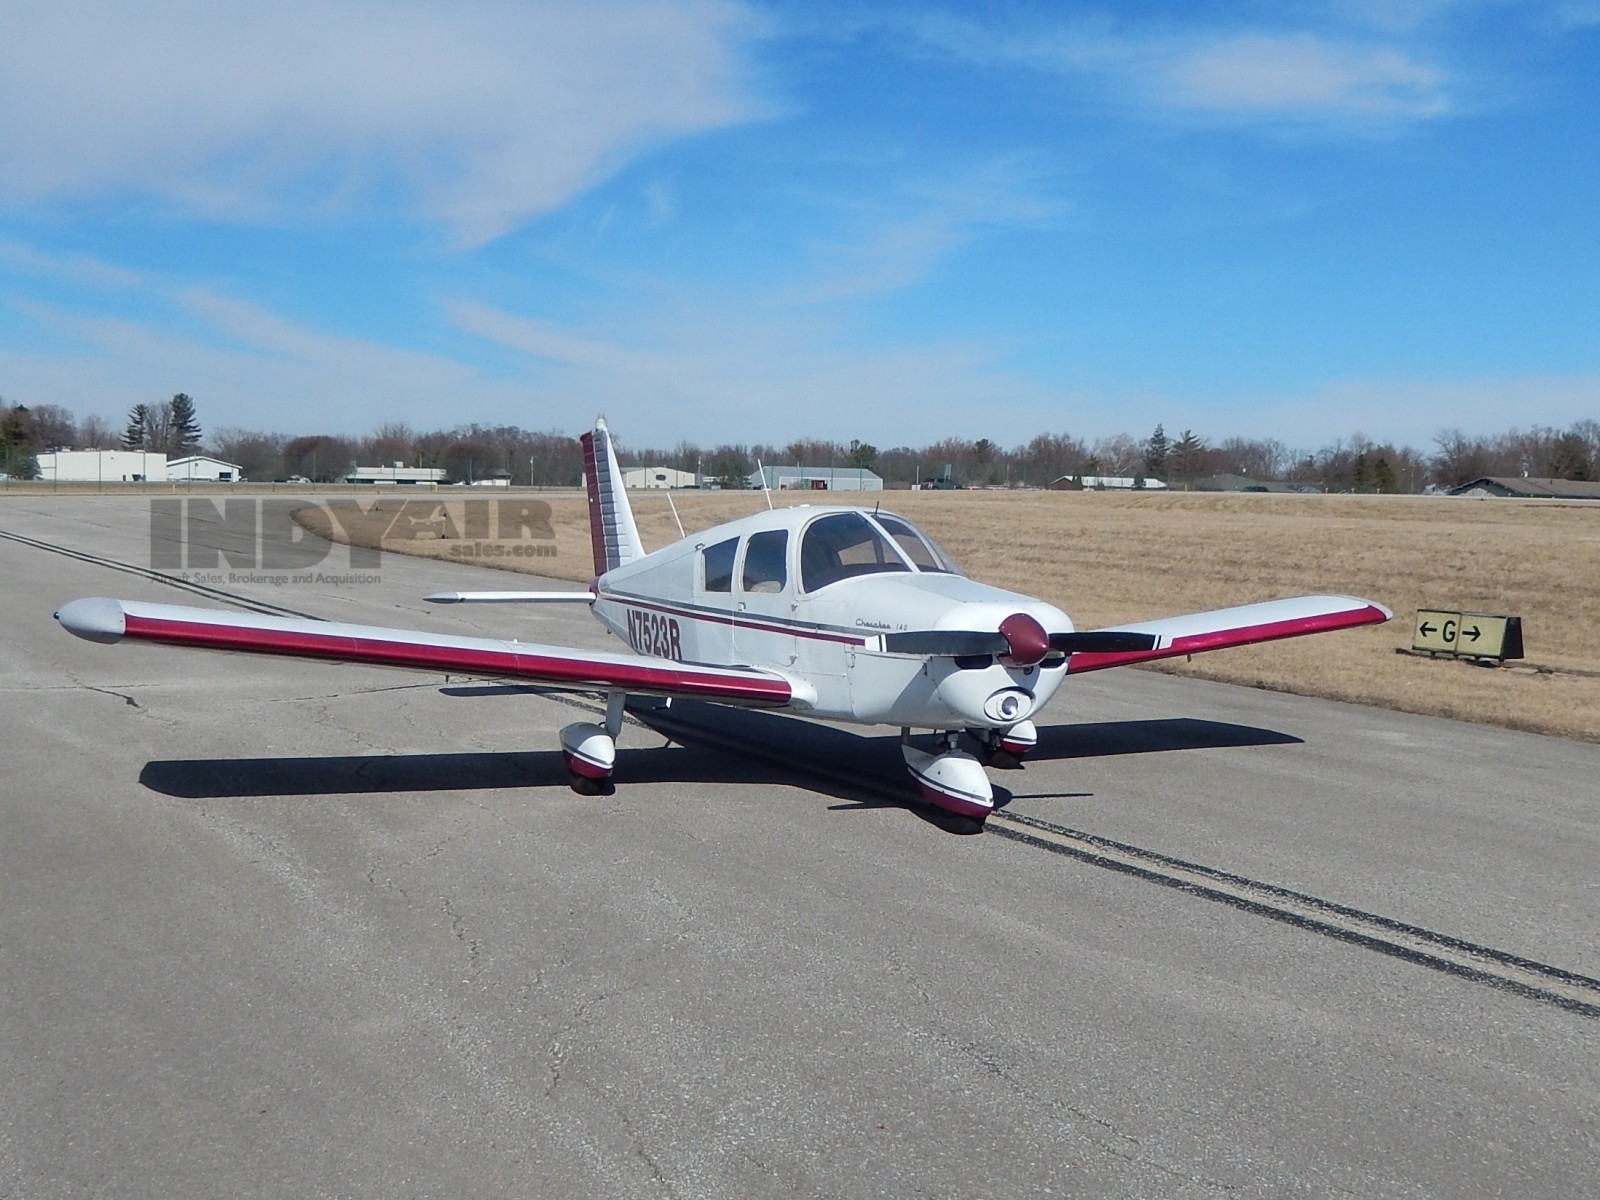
(951, 779)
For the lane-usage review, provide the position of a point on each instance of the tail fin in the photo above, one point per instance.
(611, 527)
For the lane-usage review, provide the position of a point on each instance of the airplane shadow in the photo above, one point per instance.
(715, 744)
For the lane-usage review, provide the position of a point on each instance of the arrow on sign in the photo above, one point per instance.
(1472, 633)
(1425, 629)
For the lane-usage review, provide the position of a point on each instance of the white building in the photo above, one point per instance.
(1108, 483)
(203, 468)
(658, 477)
(817, 479)
(397, 473)
(102, 466)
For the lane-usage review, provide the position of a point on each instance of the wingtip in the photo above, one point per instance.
(95, 619)
(443, 598)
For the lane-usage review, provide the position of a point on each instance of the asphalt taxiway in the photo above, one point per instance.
(275, 927)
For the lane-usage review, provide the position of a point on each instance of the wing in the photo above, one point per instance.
(102, 620)
(1242, 626)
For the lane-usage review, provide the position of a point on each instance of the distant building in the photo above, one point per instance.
(102, 466)
(398, 473)
(1106, 483)
(817, 479)
(1497, 485)
(658, 477)
(203, 468)
(1240, 483)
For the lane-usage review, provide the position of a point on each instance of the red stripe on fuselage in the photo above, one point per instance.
(647, 677)
(719, 616)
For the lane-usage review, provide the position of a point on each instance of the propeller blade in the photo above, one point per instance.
(946, 643)
(960, 643)
(1103, 642)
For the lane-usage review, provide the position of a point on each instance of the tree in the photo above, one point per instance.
(861, 455)
(1186, 455)
(1460, 459)
(183, 431)
(1569, 458)
(96, 433)
(133, 438)
(1156, 449)
(1382, 477)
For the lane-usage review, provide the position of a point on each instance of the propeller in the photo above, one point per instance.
(1020, 638)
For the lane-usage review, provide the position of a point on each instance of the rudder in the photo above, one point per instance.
(611, 529)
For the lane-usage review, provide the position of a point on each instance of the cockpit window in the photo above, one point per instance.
(764, 569)
(923, 552)
(841, 546)
(716, 565)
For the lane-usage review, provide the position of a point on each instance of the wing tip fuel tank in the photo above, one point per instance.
(94, 618)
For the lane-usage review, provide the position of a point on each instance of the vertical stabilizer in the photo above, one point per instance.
(611, 527)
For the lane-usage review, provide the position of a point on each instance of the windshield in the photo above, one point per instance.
(842, 546)
(922, 550)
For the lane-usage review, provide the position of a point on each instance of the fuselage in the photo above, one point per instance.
(811, 593)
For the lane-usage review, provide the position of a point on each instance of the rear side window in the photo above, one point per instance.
(716, 566)
(764, 554)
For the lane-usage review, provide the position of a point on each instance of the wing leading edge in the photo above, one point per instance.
(99, 619)
(1242, 626)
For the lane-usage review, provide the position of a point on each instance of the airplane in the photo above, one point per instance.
(829, 612)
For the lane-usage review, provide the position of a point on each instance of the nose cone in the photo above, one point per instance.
(96, 619)
(1027, 639)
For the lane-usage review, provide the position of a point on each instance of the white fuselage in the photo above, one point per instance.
(764, 601)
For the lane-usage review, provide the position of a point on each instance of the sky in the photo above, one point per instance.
(722, 221)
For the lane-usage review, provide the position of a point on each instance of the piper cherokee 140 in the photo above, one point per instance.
(825, 611)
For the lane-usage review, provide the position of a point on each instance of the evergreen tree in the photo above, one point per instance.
(1382, 475)
(1156, 449)
(16, 444)
(184, 432)
(861, 454)
(134, 436)
(1361, 474)
(1186, 454)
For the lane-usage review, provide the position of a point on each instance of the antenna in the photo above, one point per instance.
(765, 490)
(675, 516)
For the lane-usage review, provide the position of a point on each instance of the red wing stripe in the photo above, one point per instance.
(650, 677)
(1246, 635)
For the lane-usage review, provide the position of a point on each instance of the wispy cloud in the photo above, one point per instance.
(902, 234)
(1299, 75)
(1337, 77)
(480, 115)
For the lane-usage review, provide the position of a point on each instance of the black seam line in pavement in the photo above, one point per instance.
(1494, 968)
(174, 581)
(1467, 960)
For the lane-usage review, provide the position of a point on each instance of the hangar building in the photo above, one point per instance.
(819, 479)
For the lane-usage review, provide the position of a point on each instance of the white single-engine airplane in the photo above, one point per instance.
(824, 611)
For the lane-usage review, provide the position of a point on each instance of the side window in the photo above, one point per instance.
(764, 557)
(716, 566)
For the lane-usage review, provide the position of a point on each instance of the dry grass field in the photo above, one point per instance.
(1107, 558)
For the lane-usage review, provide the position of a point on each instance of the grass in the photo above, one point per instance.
(1107, 558)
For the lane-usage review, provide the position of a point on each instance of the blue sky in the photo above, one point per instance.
(722, 221)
